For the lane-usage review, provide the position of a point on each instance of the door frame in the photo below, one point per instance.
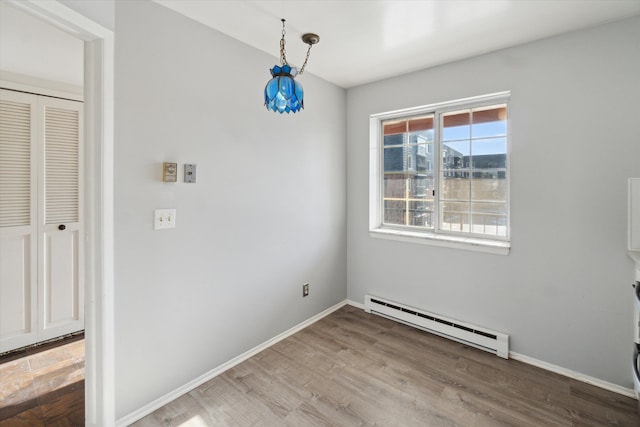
(98, 209)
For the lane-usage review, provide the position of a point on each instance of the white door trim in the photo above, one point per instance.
(99, 305)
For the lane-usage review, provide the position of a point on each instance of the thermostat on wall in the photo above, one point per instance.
(169, 172)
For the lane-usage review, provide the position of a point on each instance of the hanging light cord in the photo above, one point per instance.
(306, 59)
(283, 51)
(283, 57)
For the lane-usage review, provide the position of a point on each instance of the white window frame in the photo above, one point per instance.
(435, 236)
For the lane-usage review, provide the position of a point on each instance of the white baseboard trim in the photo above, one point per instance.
(355, 304)
(161, 401)
(573, 374)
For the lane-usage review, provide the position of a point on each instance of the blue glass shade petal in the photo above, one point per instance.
(281, 101)
(286, 86)
(299, 92)
(282, 93)
(271, 89)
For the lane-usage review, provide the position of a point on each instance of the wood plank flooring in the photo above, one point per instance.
(43, 386)
(352, 369)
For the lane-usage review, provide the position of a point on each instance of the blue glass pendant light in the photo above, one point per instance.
(283, 93)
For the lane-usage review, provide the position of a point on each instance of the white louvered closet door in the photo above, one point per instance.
(41, 287)
(18, 221)
(60, 246)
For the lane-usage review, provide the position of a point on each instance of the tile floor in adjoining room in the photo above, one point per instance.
(43, 386)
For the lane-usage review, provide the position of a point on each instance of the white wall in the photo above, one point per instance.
(563, 293)
(267, 214)
(32, 48)
(100, 11)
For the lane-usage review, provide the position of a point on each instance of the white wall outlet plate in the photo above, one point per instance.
(164, 218)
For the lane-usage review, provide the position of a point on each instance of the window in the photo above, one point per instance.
(440, 174)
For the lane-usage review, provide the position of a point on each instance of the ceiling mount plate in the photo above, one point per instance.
(310, 38)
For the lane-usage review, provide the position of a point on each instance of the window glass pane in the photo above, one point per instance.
(490, 162)
(456, 189)
(391, 127)
(424, 158)
(489, 147)
(455, 216)
(422, 137)
(424, 123)
(396, 139)
(421, 214)
(485, 130)
(421, 187)
(421, 130)
(489, 218)
(488, 188)
(455, 155)
(489, 121)
(394, 186)
(456, 125)
(394, 160)
(420, 158)
(394, 212)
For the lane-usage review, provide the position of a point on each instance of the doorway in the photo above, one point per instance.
(41, 221)
(98, 176)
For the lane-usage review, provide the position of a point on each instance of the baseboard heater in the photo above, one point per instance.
(475, 336)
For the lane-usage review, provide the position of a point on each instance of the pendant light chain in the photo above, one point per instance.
(283, 51)
(283, 57)
(306, 59)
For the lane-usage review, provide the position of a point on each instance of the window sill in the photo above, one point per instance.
(498, 247)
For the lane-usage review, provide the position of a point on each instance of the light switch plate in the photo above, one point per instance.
(189, 172)
(164, 218)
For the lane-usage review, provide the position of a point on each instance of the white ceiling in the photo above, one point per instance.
(363, 41)
(360, 40)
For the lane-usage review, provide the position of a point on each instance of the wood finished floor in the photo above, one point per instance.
(43, 386)
(352, 369)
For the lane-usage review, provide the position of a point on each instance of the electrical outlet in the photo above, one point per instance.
(305, 290)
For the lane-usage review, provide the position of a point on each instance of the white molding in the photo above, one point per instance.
(64, 18)
(29, 84)
(473, 101)
(100, 325)
(99, 268)
(573, 374)
(355, 304)
(443, 240)
(186, 388)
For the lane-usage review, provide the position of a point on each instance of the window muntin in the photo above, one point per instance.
(469, 174)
